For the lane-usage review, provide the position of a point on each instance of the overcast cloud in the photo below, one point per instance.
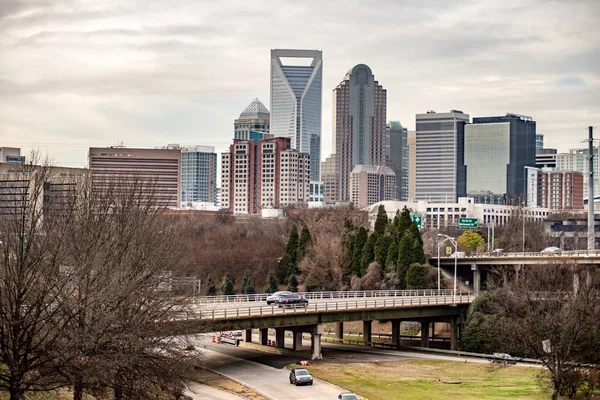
(78, 73)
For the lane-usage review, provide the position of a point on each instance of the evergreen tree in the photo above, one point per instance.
(405, 258)
(396, 220)
(382, 246)
(415, 276)
(211, 288)
(381, 222)
(303, 243)
(415, 233)
(292, 283)
(404, 222)
(271, 285)
(419, 253)
(392, 257)
(291, 249)
(227, 286)
(368, 254)
(349, 243)
(359, 243)
(248, 284)
(283, 268)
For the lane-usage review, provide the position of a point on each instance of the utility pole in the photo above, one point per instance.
(591, 235)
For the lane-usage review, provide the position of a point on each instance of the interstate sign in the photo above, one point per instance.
(417, 219)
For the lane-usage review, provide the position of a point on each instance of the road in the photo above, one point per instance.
(205, 392)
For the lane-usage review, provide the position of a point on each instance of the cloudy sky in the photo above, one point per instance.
(79, 73)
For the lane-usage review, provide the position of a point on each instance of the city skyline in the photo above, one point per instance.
(146, 76)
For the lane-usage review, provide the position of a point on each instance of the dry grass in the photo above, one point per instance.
(216, 380)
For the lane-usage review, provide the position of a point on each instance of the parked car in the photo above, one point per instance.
(300, 376)
(291, 299)
(272, 298)
(457, 254)
(348, 396)
(551, 250)
(503, 358)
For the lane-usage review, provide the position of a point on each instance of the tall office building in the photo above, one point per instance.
(439, 175)
(412, 164)
(198, 174)
(539, 141)
(156, 170)
(371, 184)
(397, 150)
(254, 123)
(296, 102)
(496, 152)
(257, 175)
(577, 160)
(359, 131)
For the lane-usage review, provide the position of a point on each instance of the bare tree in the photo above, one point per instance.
(323, 264)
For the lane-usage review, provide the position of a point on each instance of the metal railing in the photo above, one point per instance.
(562, 253)
(357, 294)
(333, 306)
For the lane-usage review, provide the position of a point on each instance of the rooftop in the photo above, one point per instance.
(256, 110)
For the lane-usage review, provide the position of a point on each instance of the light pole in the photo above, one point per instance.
(453, 241)
(523, 214)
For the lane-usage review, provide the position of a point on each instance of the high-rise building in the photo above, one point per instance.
(371, 184)
(412, 164)
(198, 174)
(496, 152)
(254, 123)
(439, 175)
(359, 131)
(577, 160)
(296, 102)
(157, 171)
(545, 158)
(553, 189)
(539, 141)
(11, 155)
(397, 137)
(262, 175)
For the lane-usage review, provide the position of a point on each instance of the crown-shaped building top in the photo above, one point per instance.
(256, 110)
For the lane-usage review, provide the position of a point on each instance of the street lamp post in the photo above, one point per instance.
(453, 241)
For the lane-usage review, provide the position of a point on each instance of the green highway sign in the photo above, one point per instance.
(417, 219)
(467, 223)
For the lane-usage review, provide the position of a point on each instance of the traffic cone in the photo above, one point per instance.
(438, 378)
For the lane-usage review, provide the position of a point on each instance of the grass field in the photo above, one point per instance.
(418, 379)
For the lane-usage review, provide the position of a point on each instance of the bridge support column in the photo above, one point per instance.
(432, 335)
(454, 333)
(367, 332)
(425, 333)
(476, 278)
(339, 331)
(248, 335)
(263, 336)
(315, 342)
(280, 338)
(297, 341)
(396, 333)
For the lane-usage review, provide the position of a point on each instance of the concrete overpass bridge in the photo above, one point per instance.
(248, 312)
(471, 269)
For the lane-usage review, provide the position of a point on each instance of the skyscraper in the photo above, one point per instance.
(577, 160)
(254, 122)
(496, 152)
(539, 141)
(438, 156)
(296, 102)
(359, 131)
(198, 174)
(397, 148)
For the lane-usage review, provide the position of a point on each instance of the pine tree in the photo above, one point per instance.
(419, 253)
(404, 222)
(368, 254)
(392, 257)
(211, 288)
(405, 258)
(415, 276)
(381, 222)
(227, 286)
(359, 243)
(283, 268)
(291, 249)
(292, 283)
(414, 231)
(271, 285)
(382, 246)
(303, 243)
(248, 284)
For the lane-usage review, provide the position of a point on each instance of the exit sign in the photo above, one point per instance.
(467, 223)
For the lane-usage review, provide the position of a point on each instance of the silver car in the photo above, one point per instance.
(348, 396)
(300, 376)
(272, 298)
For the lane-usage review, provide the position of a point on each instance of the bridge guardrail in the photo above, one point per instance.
(253, 311)
(352, 294)
(562, 253)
